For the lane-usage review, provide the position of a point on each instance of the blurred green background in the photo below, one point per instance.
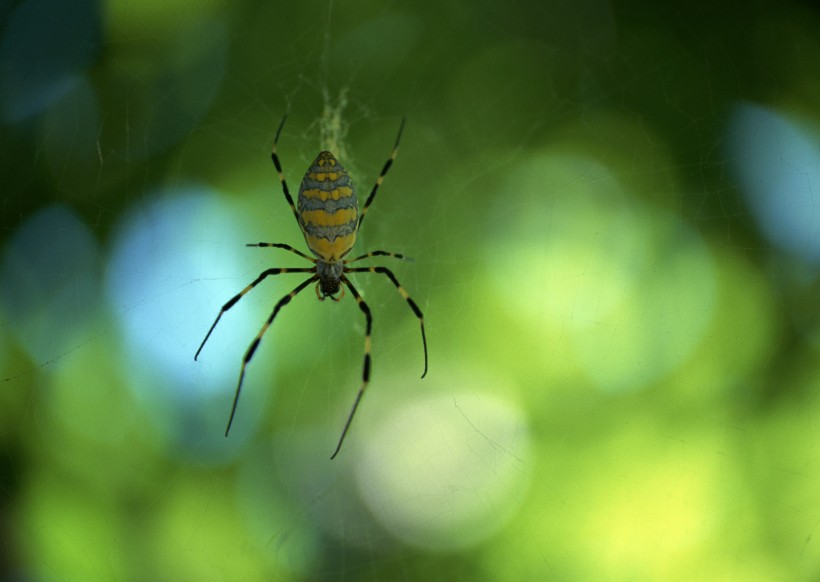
(614, 211)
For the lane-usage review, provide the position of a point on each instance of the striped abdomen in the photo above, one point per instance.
(328, 208)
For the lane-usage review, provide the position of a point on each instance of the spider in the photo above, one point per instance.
(329, 218)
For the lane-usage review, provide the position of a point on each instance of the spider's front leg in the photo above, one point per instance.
(235, 299)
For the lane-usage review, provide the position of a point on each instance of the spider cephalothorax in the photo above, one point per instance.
(330, 279)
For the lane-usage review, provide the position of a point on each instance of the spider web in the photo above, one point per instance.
(611, 216)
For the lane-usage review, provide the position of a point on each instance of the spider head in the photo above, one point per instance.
(330, 278)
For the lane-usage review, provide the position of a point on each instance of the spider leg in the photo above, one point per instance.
(410, 302)
(282, 246)
(278, 166)
(366, 370)
(378, 254)
(255, 343)
(380, 179)
(233, 300)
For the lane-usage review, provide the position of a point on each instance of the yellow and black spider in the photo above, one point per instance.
(329, 217)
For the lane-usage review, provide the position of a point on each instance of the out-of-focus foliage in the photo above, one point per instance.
(614, 212)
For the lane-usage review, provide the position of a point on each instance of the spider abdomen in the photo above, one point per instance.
(328, 209)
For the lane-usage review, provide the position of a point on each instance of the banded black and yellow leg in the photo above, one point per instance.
(380, 179)
(255, 343)
(378, 254)
(385, 271)
(281, 174)
(233, 300)
(366, 370)
(282, 246)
